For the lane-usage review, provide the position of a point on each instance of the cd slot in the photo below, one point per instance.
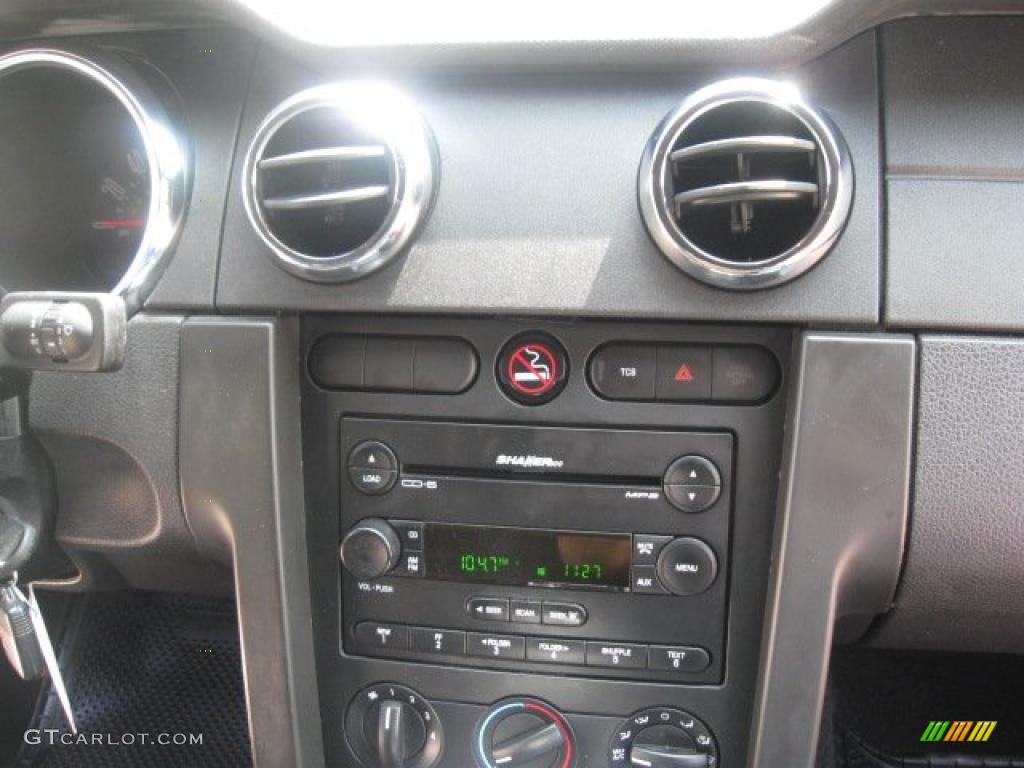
(526, 475)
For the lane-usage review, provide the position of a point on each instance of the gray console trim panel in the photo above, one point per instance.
(242, 490)
(840, 526)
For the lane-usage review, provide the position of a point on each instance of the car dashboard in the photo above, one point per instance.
(537, 400)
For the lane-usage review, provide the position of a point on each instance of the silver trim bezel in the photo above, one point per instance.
(388, 114)
(837, 179)
(167, 156)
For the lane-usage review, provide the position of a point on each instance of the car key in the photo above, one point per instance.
(18, 631)
(27, 642)
(50, 659)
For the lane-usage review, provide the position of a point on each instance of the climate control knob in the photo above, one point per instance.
(524, 733)
(663, 738)
(391, 726)
(370, 549)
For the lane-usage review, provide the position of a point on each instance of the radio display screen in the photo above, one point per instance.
(527, 556)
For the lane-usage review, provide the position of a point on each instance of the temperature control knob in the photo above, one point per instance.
(663, 738)
(370, 549)
(524, 733)
(391, 726)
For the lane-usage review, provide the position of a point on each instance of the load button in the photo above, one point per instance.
(372, 467)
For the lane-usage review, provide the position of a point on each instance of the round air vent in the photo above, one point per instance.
(338, 179)
(745, 186)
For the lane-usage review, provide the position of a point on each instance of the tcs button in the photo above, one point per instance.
(533, 368)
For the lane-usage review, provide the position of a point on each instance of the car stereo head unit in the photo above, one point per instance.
(595, 552)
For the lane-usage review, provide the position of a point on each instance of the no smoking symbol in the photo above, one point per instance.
(532, 369)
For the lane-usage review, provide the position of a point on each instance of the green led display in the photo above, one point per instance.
(472, 563)
(526, 557)
(582, 572)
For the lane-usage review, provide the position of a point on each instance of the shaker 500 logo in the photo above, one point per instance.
(541, 462)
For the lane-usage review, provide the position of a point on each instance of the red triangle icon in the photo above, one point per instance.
(684, 373)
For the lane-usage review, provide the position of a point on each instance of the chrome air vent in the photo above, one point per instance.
(338, 179)
(745, 186)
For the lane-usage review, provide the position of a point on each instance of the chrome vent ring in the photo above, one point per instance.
(744, 185)
(338, 180)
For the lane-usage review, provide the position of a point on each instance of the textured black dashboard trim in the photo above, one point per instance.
(963, 583)
(112, 438)
(954, 173)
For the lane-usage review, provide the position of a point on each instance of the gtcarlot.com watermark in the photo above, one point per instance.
(53, 737)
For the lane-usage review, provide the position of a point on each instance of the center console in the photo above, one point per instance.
(539, 544)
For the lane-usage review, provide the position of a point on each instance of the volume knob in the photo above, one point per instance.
(370, 549)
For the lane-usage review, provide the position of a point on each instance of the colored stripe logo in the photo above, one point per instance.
(958, 730)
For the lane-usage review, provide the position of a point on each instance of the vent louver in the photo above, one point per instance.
(745, 186)
(338, 179)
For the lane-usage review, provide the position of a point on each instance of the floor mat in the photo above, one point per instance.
(155, 681)
(857, 754)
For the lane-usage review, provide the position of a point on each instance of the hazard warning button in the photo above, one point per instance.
(684, 373)
(532, 368)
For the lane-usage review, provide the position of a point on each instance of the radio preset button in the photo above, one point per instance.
(374, 634)
(646, 548)
(616, 655)
(645, 581)
(526, 611)
(444, 642)
(496, 646)
(673, 658)
(487, 608)
(564, 615)
(687, 566)
(555, 651)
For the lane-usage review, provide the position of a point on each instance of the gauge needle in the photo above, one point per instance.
(117, 224)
